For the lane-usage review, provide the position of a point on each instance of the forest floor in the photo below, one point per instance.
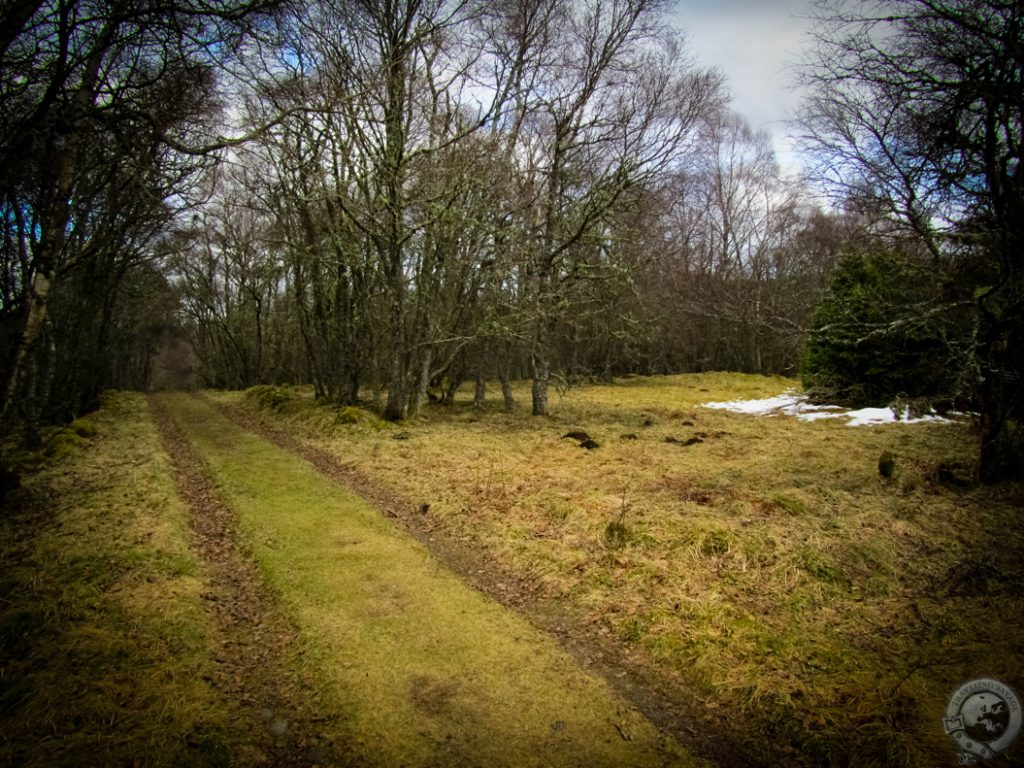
(260, 579)
(753, 583)
(305, 628)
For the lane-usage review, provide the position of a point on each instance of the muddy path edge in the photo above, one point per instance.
(276, 708)
(675, 712)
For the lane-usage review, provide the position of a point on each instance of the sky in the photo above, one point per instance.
(752, 42)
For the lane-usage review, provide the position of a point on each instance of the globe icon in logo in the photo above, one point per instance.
(983, 717)
(986, 716)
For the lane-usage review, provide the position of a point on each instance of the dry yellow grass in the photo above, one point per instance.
(768, 567)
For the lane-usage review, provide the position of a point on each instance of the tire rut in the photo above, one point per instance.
(671, 710)
(278, 724)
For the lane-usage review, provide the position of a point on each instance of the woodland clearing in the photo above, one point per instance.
(752, 586)
(760, 575)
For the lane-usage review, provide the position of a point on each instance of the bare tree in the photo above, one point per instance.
(604, 101)
(96, 99)
(727, 286)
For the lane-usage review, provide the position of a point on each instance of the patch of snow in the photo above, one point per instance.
(786, 403)
(793, 404)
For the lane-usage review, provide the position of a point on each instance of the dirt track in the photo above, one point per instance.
(569, 712)
(670, 710)
(281, 725)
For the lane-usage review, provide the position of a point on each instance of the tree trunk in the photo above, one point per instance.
(398, 389)
(505, 374)
(352, 392)
(480, 392)
(541, 376)
(422, 382)
(30, 403)
(23, 361)
(1000, 456)
(540, 365)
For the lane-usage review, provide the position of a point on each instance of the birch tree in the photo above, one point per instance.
(605, 102)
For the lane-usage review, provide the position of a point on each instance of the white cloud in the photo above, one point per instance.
(753, 43)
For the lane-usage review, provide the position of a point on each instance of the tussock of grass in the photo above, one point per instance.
(83, 428)
(104, 643)
(770, 567)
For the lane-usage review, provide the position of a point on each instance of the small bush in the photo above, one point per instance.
(268, 396)
(83, 428)
(617, 534)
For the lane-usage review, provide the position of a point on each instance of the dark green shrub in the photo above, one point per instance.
(880, 333)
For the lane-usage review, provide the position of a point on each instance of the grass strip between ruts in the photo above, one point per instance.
(430, 671)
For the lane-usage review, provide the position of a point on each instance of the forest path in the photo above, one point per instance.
(278, 722)
(405, 664)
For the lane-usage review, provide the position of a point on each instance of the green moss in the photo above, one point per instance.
(349, 415)
(268, 396)
(352, 416)
(62, 443)
(105, 639)
(83, 428)
(26, 461)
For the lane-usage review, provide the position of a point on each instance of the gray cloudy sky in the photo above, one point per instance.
(752, 42)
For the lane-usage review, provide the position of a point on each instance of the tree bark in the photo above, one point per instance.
(480, 392)
(21, 374)
(1000, 456)
(541, 372)
(398, 389)
(422, 382)
(505, 374)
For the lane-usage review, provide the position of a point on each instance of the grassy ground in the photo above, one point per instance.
(766, 565)
(105, 649)
(110, 653)
(426, 671)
